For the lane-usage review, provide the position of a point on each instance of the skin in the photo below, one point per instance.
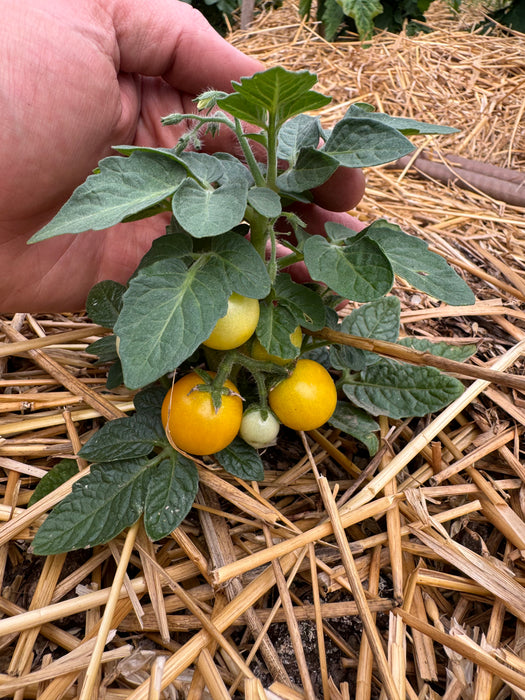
(75, 79)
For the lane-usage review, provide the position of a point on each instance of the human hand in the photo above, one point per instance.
(77, 79)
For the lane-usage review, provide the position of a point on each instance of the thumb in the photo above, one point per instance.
(170, 39)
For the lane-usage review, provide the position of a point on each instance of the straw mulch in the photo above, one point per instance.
(271, 585)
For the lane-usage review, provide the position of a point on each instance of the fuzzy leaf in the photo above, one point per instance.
(303, 303)
(459, 353)
(362, 12)
(241, 460)
(205, 211)
(379, 319)
(104, 302)
(402, 124)
(276, 324)
(265, 201)
(55, 477)
(414, 262)
(399, 391)
(123, 438)
(123, 187)
(99, 507)
(359, 271)
(276, 92)
(311, 169)
(364, 142)
(104, 348)
(171, 489)
(168, 312)
(303, 131)
(357, 423)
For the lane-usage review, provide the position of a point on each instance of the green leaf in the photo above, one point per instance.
(337, 233)
(332, 17)
(362, 12)
(276, 92)
(171, 489)
(276, 324)
(204, 167)
(123, 187)
(402, 124)
(359, 271)
(99, 507)
(241, 460)
(400, 391)
(178, 245)
(233, 170)
(148, 401)
(168, 311)
(352, 420)
(123, 438)
(104, 302)
(238, 106)
(459, 353)
(115, 377)
(265, 201)
(237, 260)
(312, 169)
(204, 211)
(414, 262)
(303, 131)
(379, 319)
(364, 142)
(305, 304)
(104, 348)
(55, 477)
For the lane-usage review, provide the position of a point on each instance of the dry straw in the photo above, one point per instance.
(431, 530)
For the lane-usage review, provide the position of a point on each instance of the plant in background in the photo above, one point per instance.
(207, 278)
(339, 17)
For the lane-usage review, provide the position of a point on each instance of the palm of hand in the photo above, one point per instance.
(93, 74)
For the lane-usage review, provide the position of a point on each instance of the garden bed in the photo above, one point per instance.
(421, 545)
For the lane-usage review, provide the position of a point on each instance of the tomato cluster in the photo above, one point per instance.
(303, 400)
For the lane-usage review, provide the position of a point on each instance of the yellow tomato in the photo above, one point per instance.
(306, 399)
(190, 419)
(239, 323)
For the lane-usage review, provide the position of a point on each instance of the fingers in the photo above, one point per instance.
(342, 191)
(171, 39)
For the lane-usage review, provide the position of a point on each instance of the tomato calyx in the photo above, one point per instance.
(214, 384)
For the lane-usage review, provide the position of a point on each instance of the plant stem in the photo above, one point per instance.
(258, 230)
(248, 154)
(271, 174)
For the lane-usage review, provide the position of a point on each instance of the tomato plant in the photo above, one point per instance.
(191, 421)
(238, 324)
(215, 279)
(259, 427)
(306, 399)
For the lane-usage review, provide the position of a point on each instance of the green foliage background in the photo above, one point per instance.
(341, 17)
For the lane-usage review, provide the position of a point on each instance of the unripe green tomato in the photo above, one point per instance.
(257, 430)
(259, 352)
(239, 323)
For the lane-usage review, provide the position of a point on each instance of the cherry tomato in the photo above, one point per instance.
(237, 325)
(190, 419)
(306, 399)
(259, 352)
(259, 427)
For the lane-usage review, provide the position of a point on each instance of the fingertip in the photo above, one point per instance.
(342, 191)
